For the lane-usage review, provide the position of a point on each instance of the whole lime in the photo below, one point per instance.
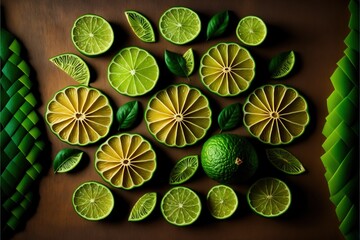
(229, 158)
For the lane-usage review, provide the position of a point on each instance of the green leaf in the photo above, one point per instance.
(230, 117)
(127, 115)
(284, 161)
(67, 159)
(176, 63)
(217, 24)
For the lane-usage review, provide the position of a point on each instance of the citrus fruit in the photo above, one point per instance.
(269, 197)
(67, 159)
(178, 115)
(190, 61)
(133, 72)
(227, 69)
(92, 35)
(93, 201)
(74, 66)
(222, 201)
(228, 158)
(125, 160)
(179, 25)
(140, 26)
(79, 115)
(181, 206)
(143, 207)
(251, 30)
(184, 169)
(275, 114)
(284, 161)
(282, 64)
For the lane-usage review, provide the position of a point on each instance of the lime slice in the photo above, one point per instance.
(92, 35)
(184, 169)
(227, 69)
(282, 64)
(179, 25)
(93, 201)
(74, 66)
(178, 116)
(79, 115)
(190, 61)
(140, 26)
(251, 30)
(125, 160)
(284, 161)
(143, 207)
(67, 159)
(269, 197)
(181, 206)
(275, 114)
(133, 72)
(222, 201)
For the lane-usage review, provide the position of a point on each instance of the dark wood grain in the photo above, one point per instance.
(314, 29)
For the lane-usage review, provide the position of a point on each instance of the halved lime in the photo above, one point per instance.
(282, 64)
(143, 207)
(251, 30)
(184, 169)
(79, 115)
(275, 114)
(133, 72)
(140, 26)
(178, 116)
(269, 197)
(93, 201)
(222, 201)
(284, 161)
(190, 61)
(92, 35)
(181, 206)
(74, 66)
(179, 25)
(126, 160)
(227, 69)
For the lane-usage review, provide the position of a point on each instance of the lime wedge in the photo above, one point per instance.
(74, 66)
(141, 26)
(190, 61)
(184, 169)
(67, 159)
(251, 30)
(222, 201)
(143, 207)
(133, 72)
(181, 206)
(284, 161)
(269, 197)
(92, 35)
(93, 201)
(179, 25)
(282, 64)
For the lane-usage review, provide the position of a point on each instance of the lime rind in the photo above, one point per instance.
(178, 22)
(143, 207)
(141, 26)
(74, 66)
(93, 198)
(184, 169)
(222, 201)
(251, 30)
(284, 161)
(282, 64)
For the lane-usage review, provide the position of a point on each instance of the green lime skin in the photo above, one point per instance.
(229, 158)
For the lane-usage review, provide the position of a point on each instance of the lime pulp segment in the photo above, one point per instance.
(190, 61)
(140, 26)
(143, 207)
(284, 161)
(184, 169)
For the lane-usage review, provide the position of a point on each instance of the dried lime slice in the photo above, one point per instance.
(74, 66)
(251, 30)
(222, 201)
(275, 114)
(284, 161)
(143, 207)
(184, 169)
(179, 25)
(140, 26)
(282, 64)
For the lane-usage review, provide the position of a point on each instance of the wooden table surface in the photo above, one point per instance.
(313, 29)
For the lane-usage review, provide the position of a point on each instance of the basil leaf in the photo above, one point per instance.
(176, 63)
(230, 117)
(127, 115)
(217, 24)
(66, 159)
